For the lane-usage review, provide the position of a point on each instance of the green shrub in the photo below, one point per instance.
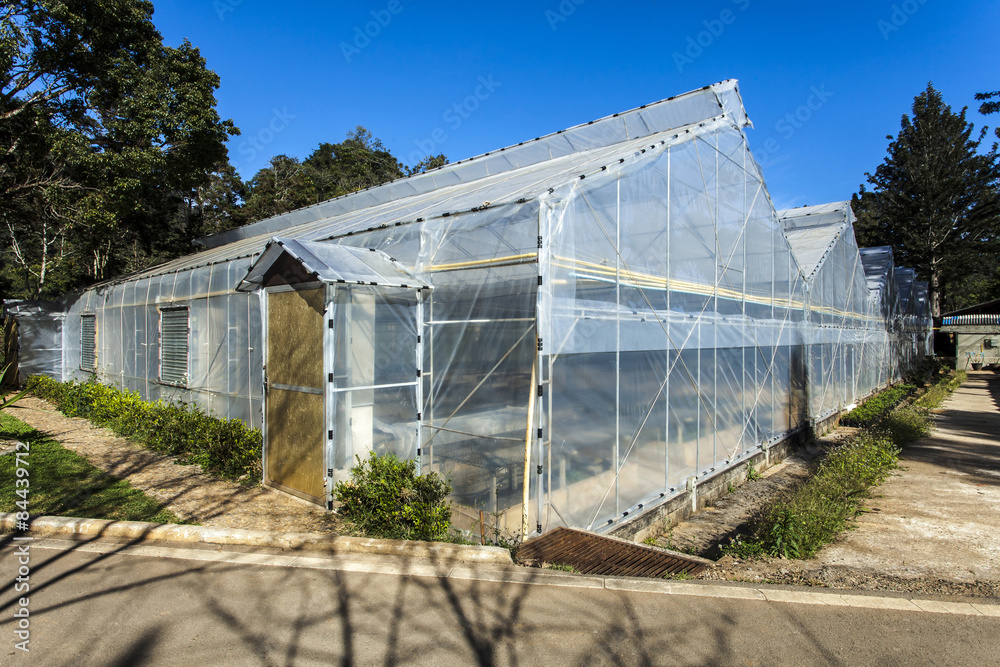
(385, 497)
(224, 447)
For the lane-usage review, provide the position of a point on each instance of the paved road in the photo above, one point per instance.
(106, 604)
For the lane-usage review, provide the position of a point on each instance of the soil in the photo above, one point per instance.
(185, 490)
(929, 530)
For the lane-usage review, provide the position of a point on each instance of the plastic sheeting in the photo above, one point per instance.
(225, 360)
(618, 306)
(40, 330)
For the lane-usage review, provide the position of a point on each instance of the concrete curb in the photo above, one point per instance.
(333, 545)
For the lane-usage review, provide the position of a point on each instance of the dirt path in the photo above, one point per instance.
(931, 528)
(182, 489)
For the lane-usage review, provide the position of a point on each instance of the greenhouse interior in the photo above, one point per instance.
(572, 329)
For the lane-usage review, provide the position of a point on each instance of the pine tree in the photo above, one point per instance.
(934, 198)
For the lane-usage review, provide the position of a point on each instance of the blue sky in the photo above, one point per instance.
(824, 83)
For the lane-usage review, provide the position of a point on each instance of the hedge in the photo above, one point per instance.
(222, 447)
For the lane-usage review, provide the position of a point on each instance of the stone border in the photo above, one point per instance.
(331, 544)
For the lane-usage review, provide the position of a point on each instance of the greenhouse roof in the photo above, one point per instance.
(720, 99)
(877, 262)
(905, 284)
(812, 232)
(509, 187)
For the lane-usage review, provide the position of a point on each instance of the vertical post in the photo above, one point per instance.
(618, 341)
(329, 398)
(145, 369)
(433, 374)
(543, 362)
(698, 393)
(743, 301)
(527, 449)
(419, 354)
(667, 344)
(715, 320)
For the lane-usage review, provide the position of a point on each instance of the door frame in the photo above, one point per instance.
(329, 341)
(265, 341)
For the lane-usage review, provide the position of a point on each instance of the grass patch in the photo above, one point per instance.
(560, 567)
(805, 519)
(63, 483)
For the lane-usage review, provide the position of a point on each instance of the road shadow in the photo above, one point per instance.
(116, 608)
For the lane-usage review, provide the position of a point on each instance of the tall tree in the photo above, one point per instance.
(282, 186)
(360, 161)
(332, 170)
(990, 104)
(934, 198)
(428, 163)
(109, 127)
(218, 206)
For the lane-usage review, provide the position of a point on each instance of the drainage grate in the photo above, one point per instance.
(588, 553)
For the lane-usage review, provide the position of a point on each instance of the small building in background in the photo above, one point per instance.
(973, 335)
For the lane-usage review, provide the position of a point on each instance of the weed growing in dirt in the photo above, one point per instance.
(742, 547)
(490, 533)
(905, 425)
(940, 391)
(752, 474)
(561, 567)
(678, 576)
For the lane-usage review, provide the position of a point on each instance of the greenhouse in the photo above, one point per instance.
(571, 329)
